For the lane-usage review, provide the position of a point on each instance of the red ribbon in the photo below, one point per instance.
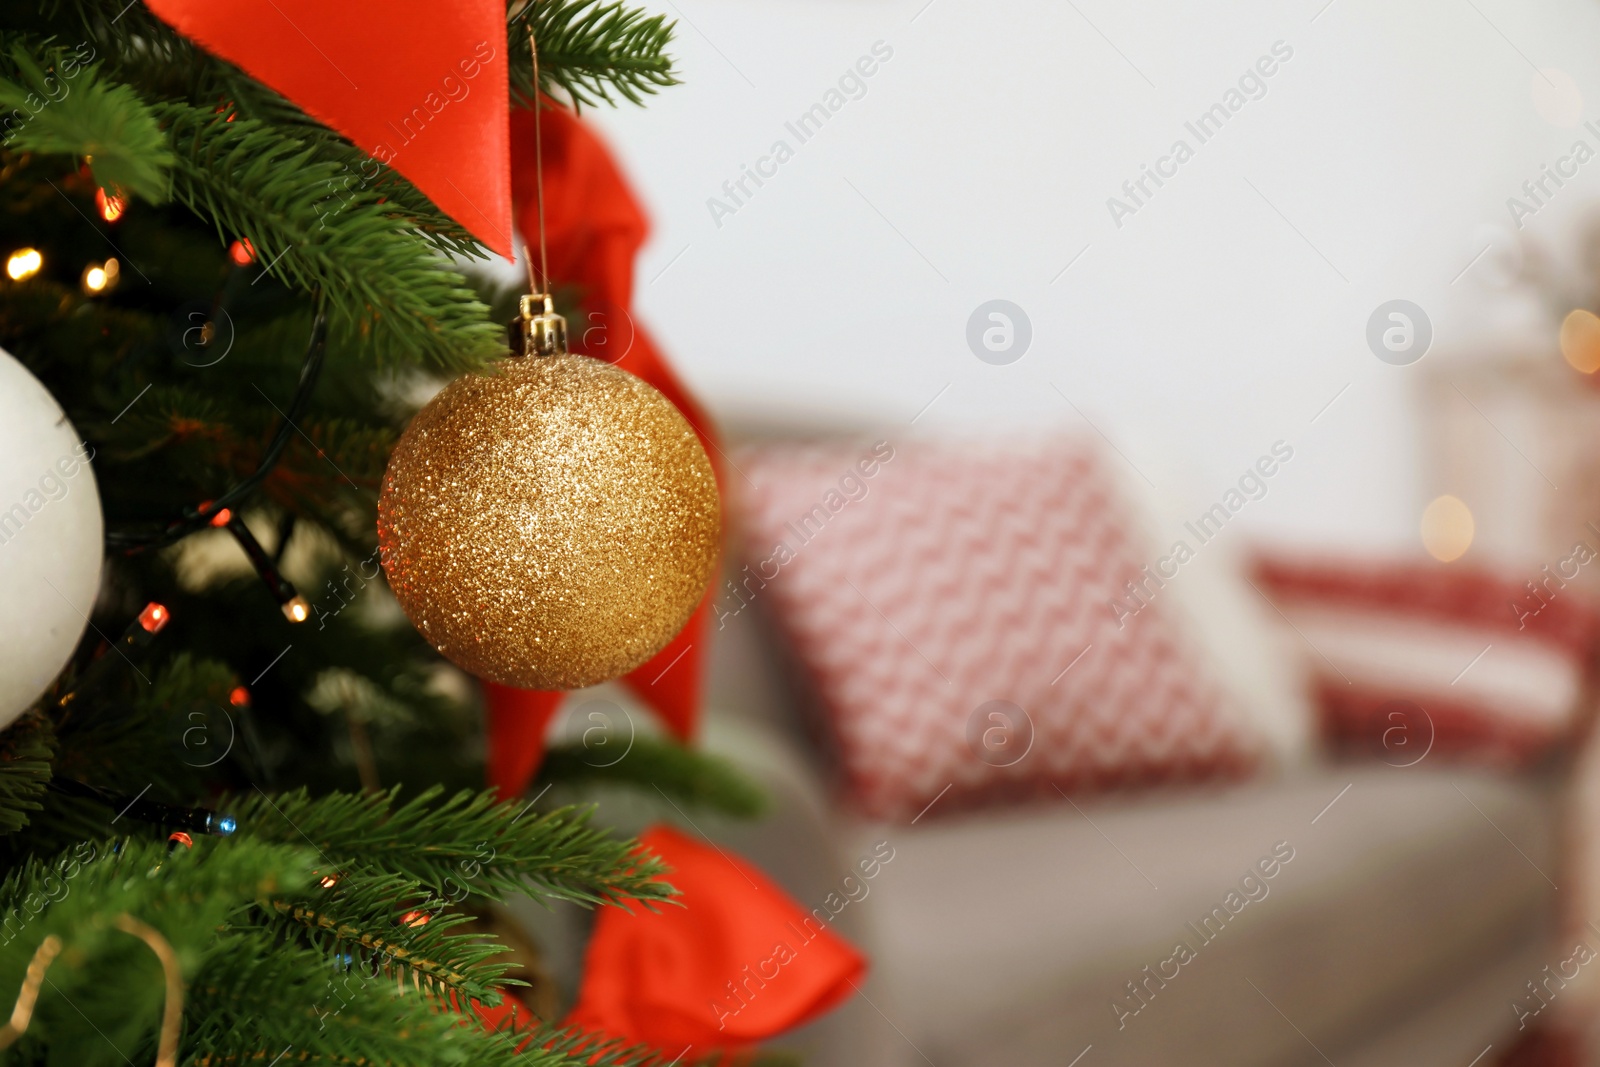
(738, 963)
(594, 228)
(419, 85)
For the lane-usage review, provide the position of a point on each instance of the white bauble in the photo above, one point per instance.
(51, 538)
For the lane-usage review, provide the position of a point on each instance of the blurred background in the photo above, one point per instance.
(931, 221)
(1225, 314)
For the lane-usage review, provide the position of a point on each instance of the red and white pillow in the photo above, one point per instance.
(952, 608)
(1413, 658)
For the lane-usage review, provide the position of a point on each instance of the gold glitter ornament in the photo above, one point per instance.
(549, 526)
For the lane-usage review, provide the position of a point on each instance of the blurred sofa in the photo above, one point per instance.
(1417, 905)
(1406, 911)
(1353, 913)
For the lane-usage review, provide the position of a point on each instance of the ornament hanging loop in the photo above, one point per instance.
(538, 330)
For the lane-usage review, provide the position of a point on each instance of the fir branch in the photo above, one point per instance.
(681, 773)
(590, 48)
(251, 181)
(258, 999)
(383, 923)
(27, 748)
(145, 877)
(70, 109)
(101, 973)
(249, 995)
(470, 843)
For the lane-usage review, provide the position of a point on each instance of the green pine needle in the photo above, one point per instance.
(468, 844)
(26, 751)
(385, 922)
(270, 999)
(66, 107)
(590, 49)
(252, 181)
(250, 994)
(104, 990)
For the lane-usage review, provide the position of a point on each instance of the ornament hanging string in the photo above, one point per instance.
(541, 284)
(538, 330)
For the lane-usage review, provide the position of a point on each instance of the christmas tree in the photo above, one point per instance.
(243, 823)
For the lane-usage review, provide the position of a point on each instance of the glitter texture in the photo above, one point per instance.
(550, 526)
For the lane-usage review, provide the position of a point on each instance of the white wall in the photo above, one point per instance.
(1195, 335)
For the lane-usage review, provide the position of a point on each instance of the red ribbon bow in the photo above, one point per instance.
(738, 963)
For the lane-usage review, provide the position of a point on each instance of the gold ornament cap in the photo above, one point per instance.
(538, 330)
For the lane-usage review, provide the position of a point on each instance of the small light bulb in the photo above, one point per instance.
(297, 610)
(97, 278)
(226, 825)
(240, 697)
(24, 263)
(153, 617)
(242, 252)
(111, 206)
(1447, 528)
(1580, 340)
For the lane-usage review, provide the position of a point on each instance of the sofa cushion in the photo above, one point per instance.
(1413, 658)
(979, 623)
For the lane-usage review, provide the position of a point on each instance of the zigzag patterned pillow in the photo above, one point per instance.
(957, 613)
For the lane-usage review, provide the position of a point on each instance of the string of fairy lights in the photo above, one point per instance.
(222, 513)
